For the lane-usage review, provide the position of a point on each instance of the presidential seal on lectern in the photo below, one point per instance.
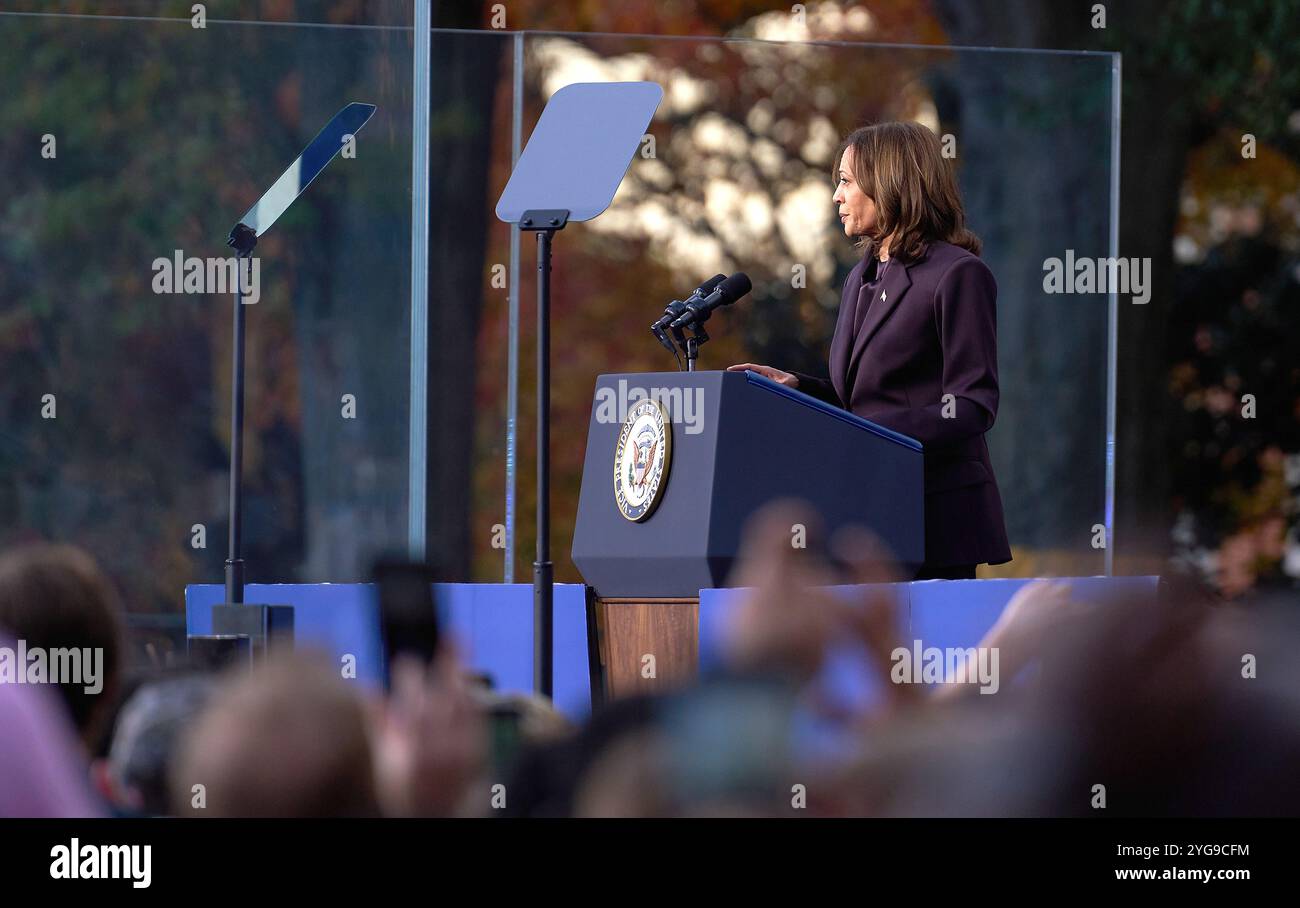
(642, 457)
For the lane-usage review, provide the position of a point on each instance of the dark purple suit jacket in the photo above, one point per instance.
(931, 331)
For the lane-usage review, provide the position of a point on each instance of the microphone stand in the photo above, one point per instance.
(690, 344)
(698, 336)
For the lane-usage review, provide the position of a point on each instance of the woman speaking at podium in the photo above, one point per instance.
(915, 344)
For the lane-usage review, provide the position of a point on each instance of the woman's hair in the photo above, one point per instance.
(901, 167)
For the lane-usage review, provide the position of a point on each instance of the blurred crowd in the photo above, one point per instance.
(1154, 701)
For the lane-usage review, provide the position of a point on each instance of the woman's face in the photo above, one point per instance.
(856, 209)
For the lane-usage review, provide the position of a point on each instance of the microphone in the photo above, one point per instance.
(677, 307)
(726, 293)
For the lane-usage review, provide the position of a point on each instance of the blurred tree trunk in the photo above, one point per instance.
(462, 93)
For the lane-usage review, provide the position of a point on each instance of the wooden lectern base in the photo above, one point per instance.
(645, 645)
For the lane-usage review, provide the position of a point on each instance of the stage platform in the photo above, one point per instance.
(493, 625)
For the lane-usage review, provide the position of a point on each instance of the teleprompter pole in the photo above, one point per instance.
(545, 223)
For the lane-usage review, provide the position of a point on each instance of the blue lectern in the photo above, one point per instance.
(677, 463)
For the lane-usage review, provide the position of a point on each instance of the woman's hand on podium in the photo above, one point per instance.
(783, 378)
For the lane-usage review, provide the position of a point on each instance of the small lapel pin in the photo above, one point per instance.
(882, 296)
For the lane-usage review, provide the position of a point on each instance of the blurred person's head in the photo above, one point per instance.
(1136, 705)
(546, 779)
(1140, 705)
(288, 739)
(42, 765)
(1177, 708)
(145, 738)
(626, 779)
(963, 758)
(723, 748)
(54, 599)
